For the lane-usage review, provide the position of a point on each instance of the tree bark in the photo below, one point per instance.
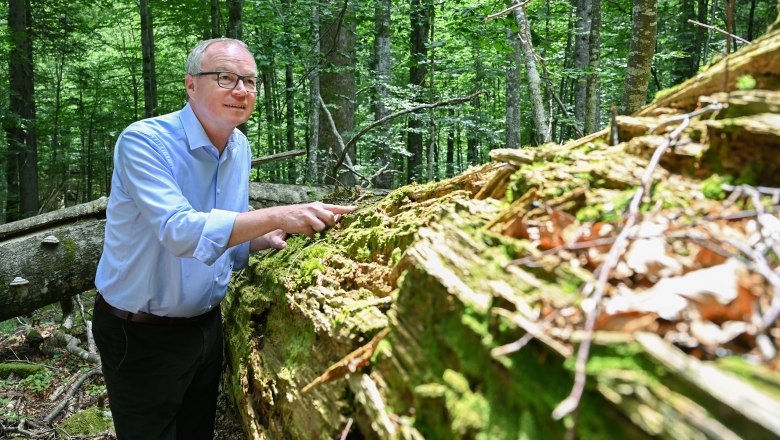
(313, 142)
(640, 57)
(699, 35)
(147, 48)
(235, 27)
(382, 69)
(22, 166)
(54, 271)
(580, 58)
(337, 81)
(541, 128)
(420, 15)
(513, 85)
(215, 19)
(592, 101)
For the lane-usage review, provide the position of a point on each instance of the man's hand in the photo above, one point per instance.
(310, 218)
(307, 219)
(271, 240)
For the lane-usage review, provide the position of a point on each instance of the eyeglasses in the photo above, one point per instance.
(229, 80)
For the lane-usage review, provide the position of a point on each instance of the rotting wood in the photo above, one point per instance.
(449, 368)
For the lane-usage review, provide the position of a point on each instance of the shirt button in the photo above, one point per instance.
(216, 278)
(219, 191)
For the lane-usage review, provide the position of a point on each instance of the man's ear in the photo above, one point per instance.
(189, 84)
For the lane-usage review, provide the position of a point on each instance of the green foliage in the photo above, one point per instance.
(712, 188)
(746, 82)
(37, 382)
(89, 422)
(89, 85)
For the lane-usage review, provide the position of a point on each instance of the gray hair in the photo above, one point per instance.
(195, 58)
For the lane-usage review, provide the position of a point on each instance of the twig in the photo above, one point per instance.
(571, 403)
(346, 430)
(563, 247)
(277, 157)
(506, 11)
(91, 347)
(72, 346)
(362, 132)
(741, 40)
(16, 431)
(64, 402)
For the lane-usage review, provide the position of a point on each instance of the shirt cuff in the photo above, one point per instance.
(216, 234)
(240, 256)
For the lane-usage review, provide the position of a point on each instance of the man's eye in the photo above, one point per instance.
(227, 77)
(252, 82)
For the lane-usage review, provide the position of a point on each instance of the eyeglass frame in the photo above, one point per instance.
(240, 78)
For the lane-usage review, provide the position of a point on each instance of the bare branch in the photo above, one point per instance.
(506, 11)
(741, 40)
(395, 115)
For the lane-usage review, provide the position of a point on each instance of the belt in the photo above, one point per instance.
(148, 318)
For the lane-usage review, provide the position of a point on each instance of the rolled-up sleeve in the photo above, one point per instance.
(216, 234)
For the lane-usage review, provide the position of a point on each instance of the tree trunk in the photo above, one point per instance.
(580, 59)
(147, 48)
(592, 100)
(313, 142)
(420, 18)
(215, 19)
(541, 128)
(22, 167)
(235, 27)
(289, 100)
(640, 57)
(337, 82)
(382, 69)
(699, 35)
(513, 85)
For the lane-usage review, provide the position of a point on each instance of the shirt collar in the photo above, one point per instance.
(196, 135)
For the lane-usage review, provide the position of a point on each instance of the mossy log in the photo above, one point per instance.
(757, 59)
(436, 264)
(449, 302)
(429, 262)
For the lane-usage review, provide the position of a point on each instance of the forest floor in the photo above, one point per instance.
(26, 401)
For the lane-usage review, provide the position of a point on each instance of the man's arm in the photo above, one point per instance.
(307, 219)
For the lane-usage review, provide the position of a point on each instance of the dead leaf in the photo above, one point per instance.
(628, 322)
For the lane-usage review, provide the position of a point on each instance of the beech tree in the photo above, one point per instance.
(640, 57)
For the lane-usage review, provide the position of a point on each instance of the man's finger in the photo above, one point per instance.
(339, 209)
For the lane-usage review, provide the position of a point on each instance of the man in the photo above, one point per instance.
(177, 225)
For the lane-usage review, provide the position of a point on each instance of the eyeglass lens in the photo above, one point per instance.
(229, 80)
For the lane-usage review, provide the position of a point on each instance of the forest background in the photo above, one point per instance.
(74, 74)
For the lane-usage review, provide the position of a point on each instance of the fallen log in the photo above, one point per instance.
(485, 284)
(50, 257)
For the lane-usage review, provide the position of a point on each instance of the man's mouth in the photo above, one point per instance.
(238, 106)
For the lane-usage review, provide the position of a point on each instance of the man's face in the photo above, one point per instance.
(218, 108)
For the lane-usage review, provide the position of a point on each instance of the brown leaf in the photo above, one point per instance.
(628, 322)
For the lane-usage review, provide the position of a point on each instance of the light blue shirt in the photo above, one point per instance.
(170, 214)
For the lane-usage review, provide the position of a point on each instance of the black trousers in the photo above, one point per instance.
(162, 381)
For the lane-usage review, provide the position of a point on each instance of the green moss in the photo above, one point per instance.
(712, 188)
(88, 422)
(20, 370)
(764, 379)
